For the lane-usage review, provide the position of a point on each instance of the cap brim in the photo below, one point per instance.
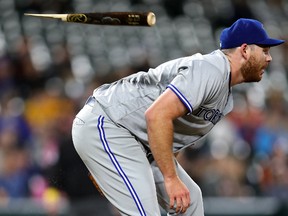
(270, 42)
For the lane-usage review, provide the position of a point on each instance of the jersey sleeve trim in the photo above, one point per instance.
(181, 97)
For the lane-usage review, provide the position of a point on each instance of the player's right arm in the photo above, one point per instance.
(159, 118)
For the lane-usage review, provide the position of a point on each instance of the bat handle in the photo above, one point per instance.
(63, 17)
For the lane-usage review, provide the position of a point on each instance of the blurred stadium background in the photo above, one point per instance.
(48, 69)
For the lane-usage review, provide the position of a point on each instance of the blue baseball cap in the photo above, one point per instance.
(247, 31)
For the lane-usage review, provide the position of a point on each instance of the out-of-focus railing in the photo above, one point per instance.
(245, 206)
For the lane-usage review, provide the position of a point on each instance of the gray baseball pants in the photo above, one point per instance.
(118, 163)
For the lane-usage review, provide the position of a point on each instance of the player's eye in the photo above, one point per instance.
(266, 51)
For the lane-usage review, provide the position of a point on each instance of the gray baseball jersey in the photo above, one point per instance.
(202, 83)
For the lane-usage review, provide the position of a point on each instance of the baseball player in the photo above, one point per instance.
(129, 131)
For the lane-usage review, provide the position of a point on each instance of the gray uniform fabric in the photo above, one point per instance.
(200, 81)
(109, 133)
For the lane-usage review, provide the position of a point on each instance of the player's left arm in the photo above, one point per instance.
(159, 118)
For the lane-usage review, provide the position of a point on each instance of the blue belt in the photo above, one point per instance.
(91, 101)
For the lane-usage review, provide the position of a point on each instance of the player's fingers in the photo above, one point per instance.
(184, 207)
(185, 203)
(172, 202)
(178, 204)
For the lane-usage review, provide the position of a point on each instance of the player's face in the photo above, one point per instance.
(253, 69)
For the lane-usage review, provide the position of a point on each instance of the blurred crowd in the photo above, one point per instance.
(43, 84)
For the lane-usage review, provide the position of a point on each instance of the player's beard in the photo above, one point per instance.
(252, 70)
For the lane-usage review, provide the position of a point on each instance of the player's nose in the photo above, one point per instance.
(268, 57)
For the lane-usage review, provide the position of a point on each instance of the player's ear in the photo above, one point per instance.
(245, 51)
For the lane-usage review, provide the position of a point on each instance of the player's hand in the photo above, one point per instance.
(178, 193)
